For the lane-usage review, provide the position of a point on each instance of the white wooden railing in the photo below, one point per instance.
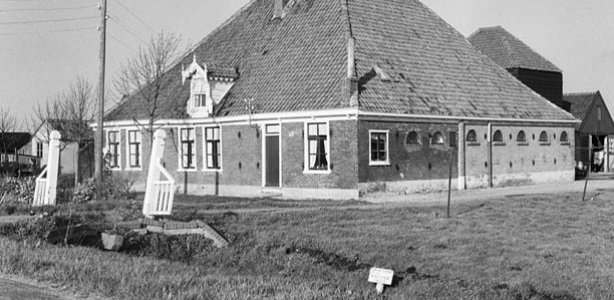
(164, 191)
(46, 183)
(40, 191)
(159, 193)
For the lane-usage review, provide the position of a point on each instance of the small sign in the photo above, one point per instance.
(380, 277)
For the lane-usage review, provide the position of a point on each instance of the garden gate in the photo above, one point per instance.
(46, 183)
(159, 193)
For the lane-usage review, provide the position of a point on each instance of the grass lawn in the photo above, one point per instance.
(521, 247)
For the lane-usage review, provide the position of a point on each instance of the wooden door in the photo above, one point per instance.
(272, 161)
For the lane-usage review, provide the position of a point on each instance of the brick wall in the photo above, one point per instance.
(408, 161)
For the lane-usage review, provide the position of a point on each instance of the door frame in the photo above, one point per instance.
(264, 166)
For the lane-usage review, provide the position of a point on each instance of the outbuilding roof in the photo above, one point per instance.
(508, 51)
(9, 141)
(408, 61)
(580, 103)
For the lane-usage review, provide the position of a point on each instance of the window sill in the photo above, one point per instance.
(135, 169)
(206, 170)
(317, 172)
(544, 144)
(115, 169)
(187, 170)
(498, 144)
(379, 164)
(565, 144)
(523, 144)
(473, 144)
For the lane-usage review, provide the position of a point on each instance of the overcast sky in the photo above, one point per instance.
(38, 60)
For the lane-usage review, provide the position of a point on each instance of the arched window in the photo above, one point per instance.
(498, 136)
(471, 136)
(437, 139)
(543, 137)
(564, 137)
(412, 138)
(521, 137)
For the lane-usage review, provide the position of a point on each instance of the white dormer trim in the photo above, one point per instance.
(199, 85)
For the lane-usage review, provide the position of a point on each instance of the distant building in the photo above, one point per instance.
(546, 79)
(334, 99)
(69, 146)
(15, 154)
(596, 126)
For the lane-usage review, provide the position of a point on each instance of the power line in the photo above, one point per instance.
(121, 42)
(47, 21)
(135, 16)
(47, 9)
(49, 31)
(125, 28)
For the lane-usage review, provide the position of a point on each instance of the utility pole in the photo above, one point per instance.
(102, 6)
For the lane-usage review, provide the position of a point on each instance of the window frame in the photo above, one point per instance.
(432, 139)
(118, 154)
(129, 166)
(206, 168)
(475, 135)
(39, 149)
(306, 154)
(418, 138)
(180, 166)
(386, 144)
(566, 141)
(541, 141)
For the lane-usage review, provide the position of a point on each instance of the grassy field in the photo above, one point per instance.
(520, 247)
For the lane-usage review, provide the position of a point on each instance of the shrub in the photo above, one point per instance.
(30, 229)
(21, 189)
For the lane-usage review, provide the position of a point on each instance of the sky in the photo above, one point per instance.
(39, 59)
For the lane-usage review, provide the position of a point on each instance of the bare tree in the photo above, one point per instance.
(7, 124)
(142, 76)
(77, 106)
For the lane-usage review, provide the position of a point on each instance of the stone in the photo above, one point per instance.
(112, 241)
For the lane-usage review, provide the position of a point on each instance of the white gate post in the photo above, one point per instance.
(53, 167)
(153, 174)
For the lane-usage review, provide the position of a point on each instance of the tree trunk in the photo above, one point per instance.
(77, 173)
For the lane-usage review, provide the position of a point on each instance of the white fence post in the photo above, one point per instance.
(46, 187)
(159, 194)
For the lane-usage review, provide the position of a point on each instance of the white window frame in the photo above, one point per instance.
(180, 167)
(306, 169)
(129, 166)
(119, 148)
(380, 163)
(205, 168)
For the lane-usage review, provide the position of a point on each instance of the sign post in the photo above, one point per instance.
(380, 277)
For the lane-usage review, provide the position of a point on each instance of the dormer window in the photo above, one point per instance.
(208, 86)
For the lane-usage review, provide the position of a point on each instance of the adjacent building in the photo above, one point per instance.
(335, 99)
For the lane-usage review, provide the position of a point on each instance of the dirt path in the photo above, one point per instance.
(388, 200)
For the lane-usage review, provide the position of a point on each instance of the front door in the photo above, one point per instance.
(272, 167)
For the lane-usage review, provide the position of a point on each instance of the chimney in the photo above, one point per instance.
(350, 85)
(278, 9)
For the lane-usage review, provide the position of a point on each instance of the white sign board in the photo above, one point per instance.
(380, 277)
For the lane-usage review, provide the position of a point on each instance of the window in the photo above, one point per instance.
(113, 145)
(437, 139)
(213, 153)
(564, 137)
(471, 136)
(378, 147)
(188, 155)
(497, 137)
(543, 137)
(412, 138)
(39, 149)
(199, 100)
(318, 147)
(521, 137)
(134, 149)
(598, 113)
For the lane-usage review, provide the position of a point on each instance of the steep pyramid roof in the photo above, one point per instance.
(408, 61)
(580, 103)
(508, 51)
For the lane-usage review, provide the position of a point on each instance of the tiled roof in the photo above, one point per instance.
(13, 140)
(580, 103)
(508, 51)
(408, 61)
